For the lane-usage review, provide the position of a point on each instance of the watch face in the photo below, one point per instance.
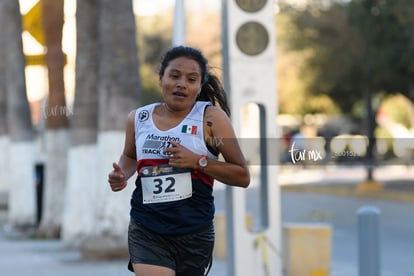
(252, 38)
(202, 161)
(251, 5)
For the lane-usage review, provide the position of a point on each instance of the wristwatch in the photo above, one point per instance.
(202, 162)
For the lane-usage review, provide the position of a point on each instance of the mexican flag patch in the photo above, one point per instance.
(189, 129)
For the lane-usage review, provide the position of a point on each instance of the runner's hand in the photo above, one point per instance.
(181, 157)
(116, 178)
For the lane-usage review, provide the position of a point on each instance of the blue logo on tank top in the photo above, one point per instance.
(143, 115)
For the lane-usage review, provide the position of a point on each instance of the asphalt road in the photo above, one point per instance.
(396, 229)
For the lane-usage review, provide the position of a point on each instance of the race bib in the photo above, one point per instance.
(165, 183)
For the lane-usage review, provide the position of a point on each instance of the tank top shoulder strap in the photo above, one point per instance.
(198, 109)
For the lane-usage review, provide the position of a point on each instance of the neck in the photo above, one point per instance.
(168, 111)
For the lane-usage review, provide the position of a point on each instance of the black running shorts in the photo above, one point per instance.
(187, 255)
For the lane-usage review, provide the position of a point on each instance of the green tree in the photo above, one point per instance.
(153, 40)
(294, 96)
(358, 47)
(386, 43)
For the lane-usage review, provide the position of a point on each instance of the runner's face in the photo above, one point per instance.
(181, 83)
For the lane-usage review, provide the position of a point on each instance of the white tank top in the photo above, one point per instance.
(150, 141)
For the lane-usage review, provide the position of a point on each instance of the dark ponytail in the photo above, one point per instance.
(211, 88)
(213, 91)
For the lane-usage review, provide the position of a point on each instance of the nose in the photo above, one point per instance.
(180, 83)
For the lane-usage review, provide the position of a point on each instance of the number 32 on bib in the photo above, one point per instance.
(165, 184)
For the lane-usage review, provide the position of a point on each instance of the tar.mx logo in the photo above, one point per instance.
(300, 154)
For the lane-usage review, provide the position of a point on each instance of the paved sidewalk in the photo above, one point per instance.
(21, 255)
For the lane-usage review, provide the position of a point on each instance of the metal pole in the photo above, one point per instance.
(370, 122)
(225, 49)
(228, 192)
(368, 241)
(179, 24)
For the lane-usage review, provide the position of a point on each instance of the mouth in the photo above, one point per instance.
(179, 94)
